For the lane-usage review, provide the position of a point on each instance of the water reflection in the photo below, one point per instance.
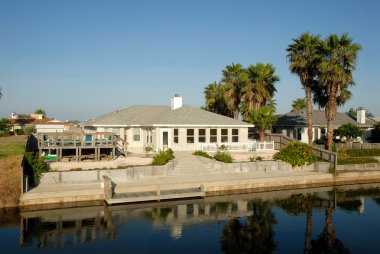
(248, 221)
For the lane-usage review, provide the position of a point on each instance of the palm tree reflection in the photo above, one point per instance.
(253, 235)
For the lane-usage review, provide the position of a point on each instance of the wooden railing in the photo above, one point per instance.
(280, 141)
(239, 146)
(342, 146)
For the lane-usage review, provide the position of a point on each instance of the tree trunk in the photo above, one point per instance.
(330, 115)
(262, 134)
(309, 222)
(236, 114)
(309, 115)
(330, 231)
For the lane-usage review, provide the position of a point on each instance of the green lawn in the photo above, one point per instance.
(10, 148)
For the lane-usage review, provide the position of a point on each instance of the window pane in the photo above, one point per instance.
(224, 139)
(235, 138)
(190, 139)
(202, 139)
(213, 132)
(224, 131)
(175, 132)
(202, 132)
(213, 139)
(176, 140)
(190, 132)
(235, 132)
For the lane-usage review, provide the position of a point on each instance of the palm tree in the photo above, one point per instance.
(339, 55)
(233, 77)
(215, 102)
(299, 104)
(259, 88)
(303, 57)
(263, 119)
(40, 111)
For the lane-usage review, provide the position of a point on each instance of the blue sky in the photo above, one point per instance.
(79, 59)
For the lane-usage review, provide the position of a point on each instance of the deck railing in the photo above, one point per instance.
(247, 146)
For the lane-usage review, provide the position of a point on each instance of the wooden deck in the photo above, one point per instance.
(122, 198)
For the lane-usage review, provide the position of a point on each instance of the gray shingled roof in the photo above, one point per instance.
(162, 115)
(298, 118)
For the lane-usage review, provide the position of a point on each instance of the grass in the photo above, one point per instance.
(10, 173)
(357, 156)
(11, 153)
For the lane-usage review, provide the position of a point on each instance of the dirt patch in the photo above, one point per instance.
(10, 173)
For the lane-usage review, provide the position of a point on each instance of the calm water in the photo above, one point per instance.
(342, 220)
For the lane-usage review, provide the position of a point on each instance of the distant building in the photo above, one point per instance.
(294, 124)
(42, 124)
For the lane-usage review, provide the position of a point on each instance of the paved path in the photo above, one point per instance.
(189, 164)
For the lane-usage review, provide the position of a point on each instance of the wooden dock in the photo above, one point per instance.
(122, 198)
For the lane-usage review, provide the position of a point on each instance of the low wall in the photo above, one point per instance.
(89, 176)
(364, 167)
(352, 145)
(244, 167)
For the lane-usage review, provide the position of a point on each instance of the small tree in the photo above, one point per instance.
(299, 104)
(40, 111)
(148, 149)
(29, 130)
(263, 119)
(349, 131)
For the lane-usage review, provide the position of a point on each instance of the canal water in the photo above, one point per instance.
(344, 219)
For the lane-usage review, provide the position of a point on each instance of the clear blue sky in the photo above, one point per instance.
(79, 59)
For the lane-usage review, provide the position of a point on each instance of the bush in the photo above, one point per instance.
(203, 154)
(38, 165)
(223, 156)
(375, 133)
(296, 154)
(162, 157)
(20, 132)
(258, 158)
(349, 131)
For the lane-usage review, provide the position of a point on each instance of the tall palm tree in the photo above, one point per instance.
(339, 55)
(299, 104)
(262, 118)
(303, 57)
(233, 77)
(260, 87)
(215, 101)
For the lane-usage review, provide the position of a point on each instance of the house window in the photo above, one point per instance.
(202, 135)
(224, 137)
(315, 133)
(297, 134)
(136, 134)
(190, 136)
(213, 135)
(175, 136)
(235, 135)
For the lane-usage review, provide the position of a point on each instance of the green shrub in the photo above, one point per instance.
(38, 165)
(356, 160)
(258, 158)
(223, 156)
(296, 154)
(162, 157)
(349, 131)
(203, 154)
(375, 133)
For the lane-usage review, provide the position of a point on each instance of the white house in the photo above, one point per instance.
(179, 127)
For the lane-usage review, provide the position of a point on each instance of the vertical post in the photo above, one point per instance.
(107, 188)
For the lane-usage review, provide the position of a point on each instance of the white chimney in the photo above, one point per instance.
(14, 115)
(360, 115)
(176, 102)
